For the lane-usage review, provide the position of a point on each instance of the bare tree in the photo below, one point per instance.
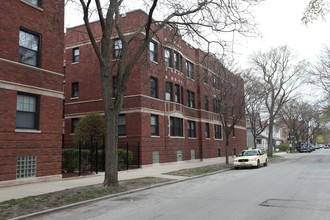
(278, 73)
(314, 10)
(293, 114)
(229, 103)
(194, 19)
(256, 115)
(320, 72)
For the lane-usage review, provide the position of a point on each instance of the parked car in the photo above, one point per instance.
(250, 158)
(305, 148)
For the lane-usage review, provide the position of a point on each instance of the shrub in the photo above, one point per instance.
(70, 159)
(122, 158)
(92, 125)
(283, 147)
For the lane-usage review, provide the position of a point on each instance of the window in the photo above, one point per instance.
(206, 103)
(176, 126)
(27, 111)
(216, 82)
(153, 87)
(216, 105)
(117, 46)
(154, 125)
(155, 157)
(168, 57)
(26, 166)
(189, 70)
(217, 131)
(153, 51)
(74, 123)
(75, 55)
(191, 129)
(29, 48)
(168, 91)
(121, 125)
(34, 2)
(207, 130)
(205, 76)
(177, 97)
(259, 141)
(190, 99)
(177, 61)
(75, 89)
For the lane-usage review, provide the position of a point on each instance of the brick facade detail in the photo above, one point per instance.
(139, 106)
(44, 81)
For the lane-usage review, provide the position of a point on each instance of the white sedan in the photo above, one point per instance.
(250, 158)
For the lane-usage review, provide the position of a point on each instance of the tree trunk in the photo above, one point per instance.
(227, 149)
(111, 149)
(111, 138)
(270, 138)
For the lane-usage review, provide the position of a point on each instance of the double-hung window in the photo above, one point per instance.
(177, 97)
(29, 48)
(117, 47)
(216, 105)
(176, 127)
(190, 99)
(75, 90)
(27, 111)
(153, 87)
(154, 125)
(216, 82)
(168, 57)
(205, 76)
(169, 91)
(177, 61)
(74, 123)
(122, 125)
(191, 129)
(189, 69)
(75, 55)
(153, 51)
(217, 132)
(206, 103)
(207, 130)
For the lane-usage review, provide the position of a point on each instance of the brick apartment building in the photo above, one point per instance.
(168, 106)
(31, 89)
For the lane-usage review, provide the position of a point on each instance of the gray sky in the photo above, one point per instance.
(280, 23)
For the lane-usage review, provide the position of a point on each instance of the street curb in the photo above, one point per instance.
(48, 211)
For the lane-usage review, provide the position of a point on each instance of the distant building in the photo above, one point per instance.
(169, 107)
(31, 89)
(280, 136)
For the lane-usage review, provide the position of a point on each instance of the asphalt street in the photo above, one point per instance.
(293, 188)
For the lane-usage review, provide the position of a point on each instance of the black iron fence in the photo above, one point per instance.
(90, 157)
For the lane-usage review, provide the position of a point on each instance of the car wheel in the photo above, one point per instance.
(266, 163)
(236, 168)
(258, 163)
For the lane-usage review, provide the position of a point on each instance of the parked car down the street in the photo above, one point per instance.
(251, 158)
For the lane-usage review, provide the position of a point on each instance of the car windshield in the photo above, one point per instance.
(248, 153)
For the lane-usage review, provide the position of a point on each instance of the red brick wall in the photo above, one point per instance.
(138, 105)
(45, 81)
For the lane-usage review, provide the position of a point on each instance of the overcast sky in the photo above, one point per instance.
(280, 23)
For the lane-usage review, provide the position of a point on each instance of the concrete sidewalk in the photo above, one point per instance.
(32, 189)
